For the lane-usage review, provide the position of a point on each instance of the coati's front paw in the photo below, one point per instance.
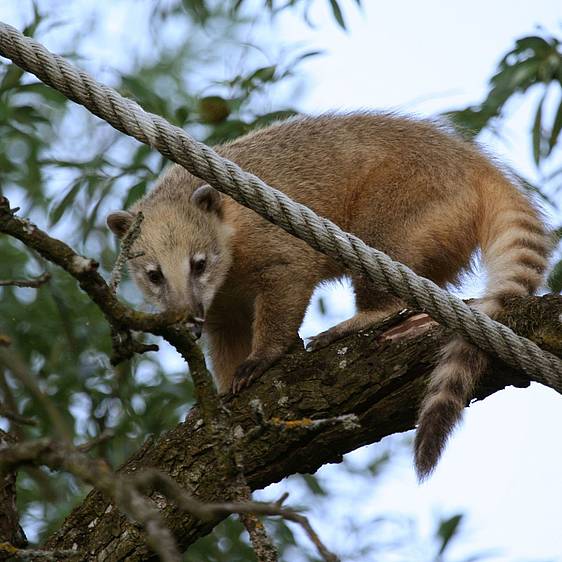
(324, 339)
(249, 370)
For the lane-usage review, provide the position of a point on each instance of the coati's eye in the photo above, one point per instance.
(198, 264)
(155, 276)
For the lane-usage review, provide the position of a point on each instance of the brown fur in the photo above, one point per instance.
(408, 187)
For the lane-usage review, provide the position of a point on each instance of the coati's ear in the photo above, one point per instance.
(208, 199)
(119, 222)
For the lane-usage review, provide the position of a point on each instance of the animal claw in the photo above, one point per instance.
(323, 339)
(249, 371)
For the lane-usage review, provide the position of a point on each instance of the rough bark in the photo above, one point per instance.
(10, 530)
(379, 380)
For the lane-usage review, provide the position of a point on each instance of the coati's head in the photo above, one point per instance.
(185, 247)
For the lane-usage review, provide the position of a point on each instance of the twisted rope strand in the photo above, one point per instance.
(321, 234)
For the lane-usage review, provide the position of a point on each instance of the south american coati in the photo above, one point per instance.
(409, 187)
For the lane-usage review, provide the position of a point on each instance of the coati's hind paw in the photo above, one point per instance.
(367, 319)
(324, 339)
(248, 371)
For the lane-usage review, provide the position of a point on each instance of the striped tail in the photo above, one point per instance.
(515, 248)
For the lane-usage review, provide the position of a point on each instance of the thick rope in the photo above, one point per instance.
(323, 235)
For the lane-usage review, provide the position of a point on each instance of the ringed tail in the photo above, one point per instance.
(515, 248)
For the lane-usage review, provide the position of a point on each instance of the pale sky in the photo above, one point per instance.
(502, 468)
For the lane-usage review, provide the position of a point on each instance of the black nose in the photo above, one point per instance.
(197, 327)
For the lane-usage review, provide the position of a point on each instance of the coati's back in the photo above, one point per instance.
(408, 187)
(404, 185)
(367, 172)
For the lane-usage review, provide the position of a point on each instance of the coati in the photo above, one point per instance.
(406, 186)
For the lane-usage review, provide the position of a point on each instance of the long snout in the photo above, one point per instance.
(187, 302)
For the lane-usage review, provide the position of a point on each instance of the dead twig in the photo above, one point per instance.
(129, 493)
(151, 479)
(124, 346)
(261, 542)
(125, 251)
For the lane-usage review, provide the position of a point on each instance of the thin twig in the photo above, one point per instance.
(151, 479)
(125, 251)
(20, 370)
(32, 555)
(121, 489)
(128, 493)
(5, 412)
(261, 542)
(103, 437)
(31, 283)
(125, 346)
(85, 271)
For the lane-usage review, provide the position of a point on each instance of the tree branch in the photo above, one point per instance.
(84, 270)
(10, 531)
(371, 375)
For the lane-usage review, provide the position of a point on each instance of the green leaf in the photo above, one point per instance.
(135, 193)
(537, 133)
(11, 77)
(554, 281)
(57, 212)
(264, 74)
(556, 127)
(533, 42)
(228, 130)
(24, 114)
(268, 118)
(181, 115)
(197, 9)
(379, 463)
(29, 30)
(314, 485)
(448, 528)
(49, 95)
(336, 10)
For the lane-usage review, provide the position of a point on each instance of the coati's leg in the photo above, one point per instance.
(278, 313)
(372, 307)
(432, 262)
(229, 344)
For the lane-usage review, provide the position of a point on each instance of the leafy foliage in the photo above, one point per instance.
(276, 7)
(534, 63)
(66, 171)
